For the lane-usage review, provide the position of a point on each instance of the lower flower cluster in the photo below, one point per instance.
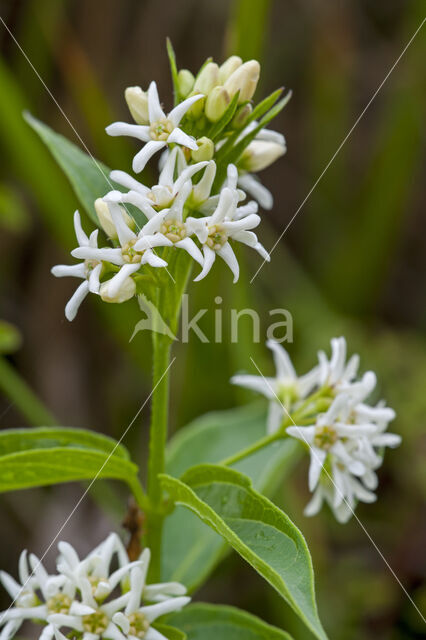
(89, 598)
(326, 410)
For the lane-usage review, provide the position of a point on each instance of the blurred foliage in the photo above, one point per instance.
(352, 262)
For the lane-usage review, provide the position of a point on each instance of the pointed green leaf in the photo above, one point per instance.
(171, 633)
(18, 440)
(219, 622)
(42, 467)
(88, 176)
(192, 549)
(218, 127)
(254, 527)
(173, 69)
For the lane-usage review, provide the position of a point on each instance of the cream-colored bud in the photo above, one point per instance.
(137, 101)
(207, 78)
(216, 103)
(244, 79)
(241, 116)
(228, 67)
(185, 82)
(205, 150)
(105, 218)
(260, 154)
(126, 291)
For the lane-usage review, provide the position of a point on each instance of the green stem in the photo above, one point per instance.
(20, 394)
(157, 446)
(249, 451)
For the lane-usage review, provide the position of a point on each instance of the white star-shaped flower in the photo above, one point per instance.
(168, 224)
(161, 131)
(136, 249)
(162, 194)
(215, 231)
(89, 270)
(283, 390)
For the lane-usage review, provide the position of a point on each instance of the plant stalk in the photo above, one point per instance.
(157, 447)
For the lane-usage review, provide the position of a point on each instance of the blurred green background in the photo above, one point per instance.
(352, 263)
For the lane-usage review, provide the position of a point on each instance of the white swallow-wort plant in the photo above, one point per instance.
(147, 241)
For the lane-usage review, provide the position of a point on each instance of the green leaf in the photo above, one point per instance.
(173, 69)
(217, 128)
(170, 632)
(18, 440)
(10, 338)
(88, 177)
(191, 549)
(218, 622)
(260, 532)
(42, 467)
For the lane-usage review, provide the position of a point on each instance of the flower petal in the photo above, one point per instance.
(209, 258)
(75, 301)
(154, 107)
(141, 132)
(176, 114)
(227, 254)
(146, 153)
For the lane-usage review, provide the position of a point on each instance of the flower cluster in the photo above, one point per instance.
(326, 410)
(89, 598)
(211, 144)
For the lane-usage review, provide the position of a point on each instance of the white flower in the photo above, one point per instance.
(168, 225)
(93, 574)
(340, 375)
(124, 616)
(161, 131)
(136, 619)
(134, 251)
(257, 190)
(341, 495)
(89, 270)
(162, 194)
(39, 595)
(342, 445)
(250, 182)
(283, 390)
(215, 231)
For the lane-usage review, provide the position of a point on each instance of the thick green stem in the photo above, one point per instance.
(157, 447)
(20, 394)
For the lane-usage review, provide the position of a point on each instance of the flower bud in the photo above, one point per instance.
(126, 291)
(216, 103)
(259, 154)
(244, 80)
(105, 218)
(185, 82)
(205, 150)
(137, 101)
(207, 78)
(197, 109)
(240, 118)
(228, 67)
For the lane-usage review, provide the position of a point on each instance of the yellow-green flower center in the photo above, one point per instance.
(60, 603)
(130, 255)
(173, 230)
(325, 437)
(217, 237)
(161, 129)
(139, 625)
(95, 622)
